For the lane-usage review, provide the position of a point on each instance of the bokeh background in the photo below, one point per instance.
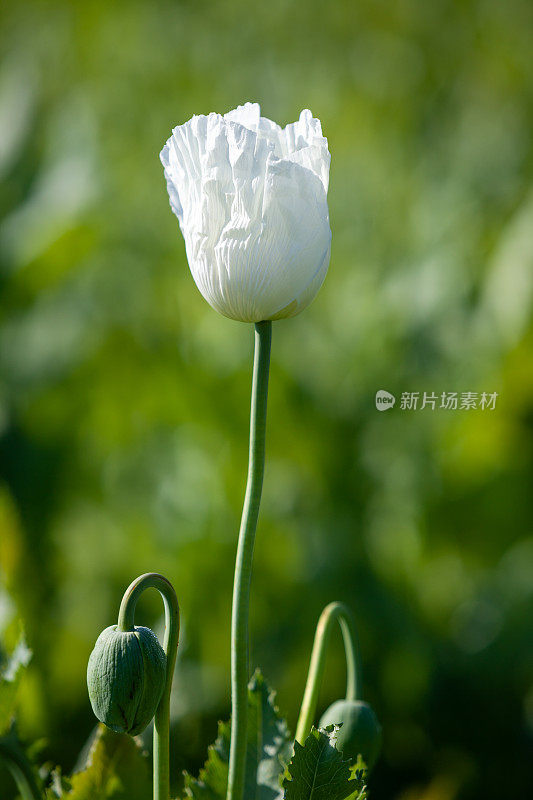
(124, 397)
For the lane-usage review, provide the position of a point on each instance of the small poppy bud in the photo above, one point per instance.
(126, 677)
(360, 733)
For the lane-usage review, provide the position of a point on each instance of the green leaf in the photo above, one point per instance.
(213, 780)
(269, 743)
(59, 785)
(11, 671)
(268, 748)
(358, 778)
(116, 768)
(317, 771)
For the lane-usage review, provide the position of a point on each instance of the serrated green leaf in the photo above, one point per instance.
(268, 747)
(317, 771)
(59, 785)
(269, 743)
(11, 671)
(213, 780)
(116, 768)
(358, 777)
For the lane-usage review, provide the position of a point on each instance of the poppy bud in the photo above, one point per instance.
(126, 677)
(360, 733)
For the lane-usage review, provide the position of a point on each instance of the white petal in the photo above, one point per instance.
(309, 293)
(247, 115)
(251, 201)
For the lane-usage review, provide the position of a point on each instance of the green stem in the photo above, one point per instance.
(21, 769)
(126, 618)
(332, 612)
(243, 565)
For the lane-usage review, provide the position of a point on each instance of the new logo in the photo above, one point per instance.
(384, 400)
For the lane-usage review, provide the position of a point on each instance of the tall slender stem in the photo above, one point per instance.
(243, 565)
(332, 612)
(126, 618)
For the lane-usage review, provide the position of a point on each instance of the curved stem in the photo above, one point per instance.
(332, 612)
(126, 618)
(21, 770)
(243, 565)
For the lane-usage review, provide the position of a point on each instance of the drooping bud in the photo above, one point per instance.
(126, 678)
(360, 733)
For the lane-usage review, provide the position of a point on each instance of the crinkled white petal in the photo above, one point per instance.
(251, 200)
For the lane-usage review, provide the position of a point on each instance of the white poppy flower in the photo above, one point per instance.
(251, 200)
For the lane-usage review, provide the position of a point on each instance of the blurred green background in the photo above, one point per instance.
(124, 397)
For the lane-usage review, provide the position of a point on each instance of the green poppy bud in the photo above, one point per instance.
(360, 733)
(126, 677)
